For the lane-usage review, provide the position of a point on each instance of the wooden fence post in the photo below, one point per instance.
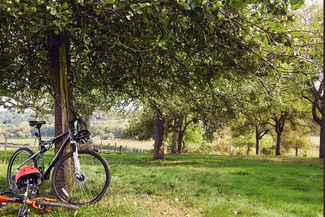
(34, 143)
(101, 145)
(115, 146)
(5, 160)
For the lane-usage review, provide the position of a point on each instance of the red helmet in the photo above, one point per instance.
(27, 172)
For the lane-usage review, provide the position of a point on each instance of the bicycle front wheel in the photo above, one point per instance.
(16, 160)
(88, 188)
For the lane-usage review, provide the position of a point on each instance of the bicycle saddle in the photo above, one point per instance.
(38, 124)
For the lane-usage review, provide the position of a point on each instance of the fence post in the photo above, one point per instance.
(115, 146)
(6, 138)
(101, 145)
(34, 143)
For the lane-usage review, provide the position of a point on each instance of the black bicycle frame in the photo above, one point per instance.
(57, 156)
(43, 149)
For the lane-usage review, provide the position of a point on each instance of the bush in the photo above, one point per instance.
(107, 136)
(21, 135)
(268, 151)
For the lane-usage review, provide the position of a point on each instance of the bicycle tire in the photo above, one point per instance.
(94, 185)
(16, 159)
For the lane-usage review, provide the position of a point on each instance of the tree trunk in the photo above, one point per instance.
(278, 143)
(159, 149)
(89, 144)
(257, 141)
(175, 136)
(180, 136)
(248, 150)
(321, 142)
(58, 55)
(296, 152)
(258, 151)
(279, 128)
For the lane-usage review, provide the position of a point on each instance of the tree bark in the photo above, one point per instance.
(278, 143)
(248, 150)
(321, 142)
(258, 152)
(175, 136)
(89, 144)
(159, 149)
(279, 128)
(296, 152)
(58, 56)
(181, 133)
(318, 106)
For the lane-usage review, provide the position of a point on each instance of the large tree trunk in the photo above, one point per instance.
(159, 149)
(58, 56)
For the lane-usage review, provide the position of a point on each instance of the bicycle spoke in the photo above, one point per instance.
(88, 186)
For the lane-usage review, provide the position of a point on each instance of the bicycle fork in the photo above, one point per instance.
(77, 163)
(78, 173)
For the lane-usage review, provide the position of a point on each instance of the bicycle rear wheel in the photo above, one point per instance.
(90, 188)
(16, 160)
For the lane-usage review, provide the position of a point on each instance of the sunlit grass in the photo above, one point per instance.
(203, 185)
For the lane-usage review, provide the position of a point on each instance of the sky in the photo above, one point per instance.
(309, 2)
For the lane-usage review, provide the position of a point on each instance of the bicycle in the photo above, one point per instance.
(79, 177)
(40, 203)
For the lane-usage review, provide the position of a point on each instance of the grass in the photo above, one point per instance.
(202, 185)
(144, 145)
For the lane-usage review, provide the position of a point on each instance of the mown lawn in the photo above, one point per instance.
(202, 185)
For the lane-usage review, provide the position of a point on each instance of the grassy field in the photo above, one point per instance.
(130, 144)
(201, 185)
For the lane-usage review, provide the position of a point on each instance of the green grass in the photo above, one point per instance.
(202, 185)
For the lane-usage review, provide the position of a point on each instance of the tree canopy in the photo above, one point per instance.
(162, 51)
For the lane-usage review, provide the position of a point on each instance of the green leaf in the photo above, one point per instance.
(248, 37)
(110, 1)
(275, 26)
(193, 4)
(53, 11)
(35, 29)
(57, 23)
(187, 7)
(294, 34)
(135, 7)
(265, 41)
(295, 4)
